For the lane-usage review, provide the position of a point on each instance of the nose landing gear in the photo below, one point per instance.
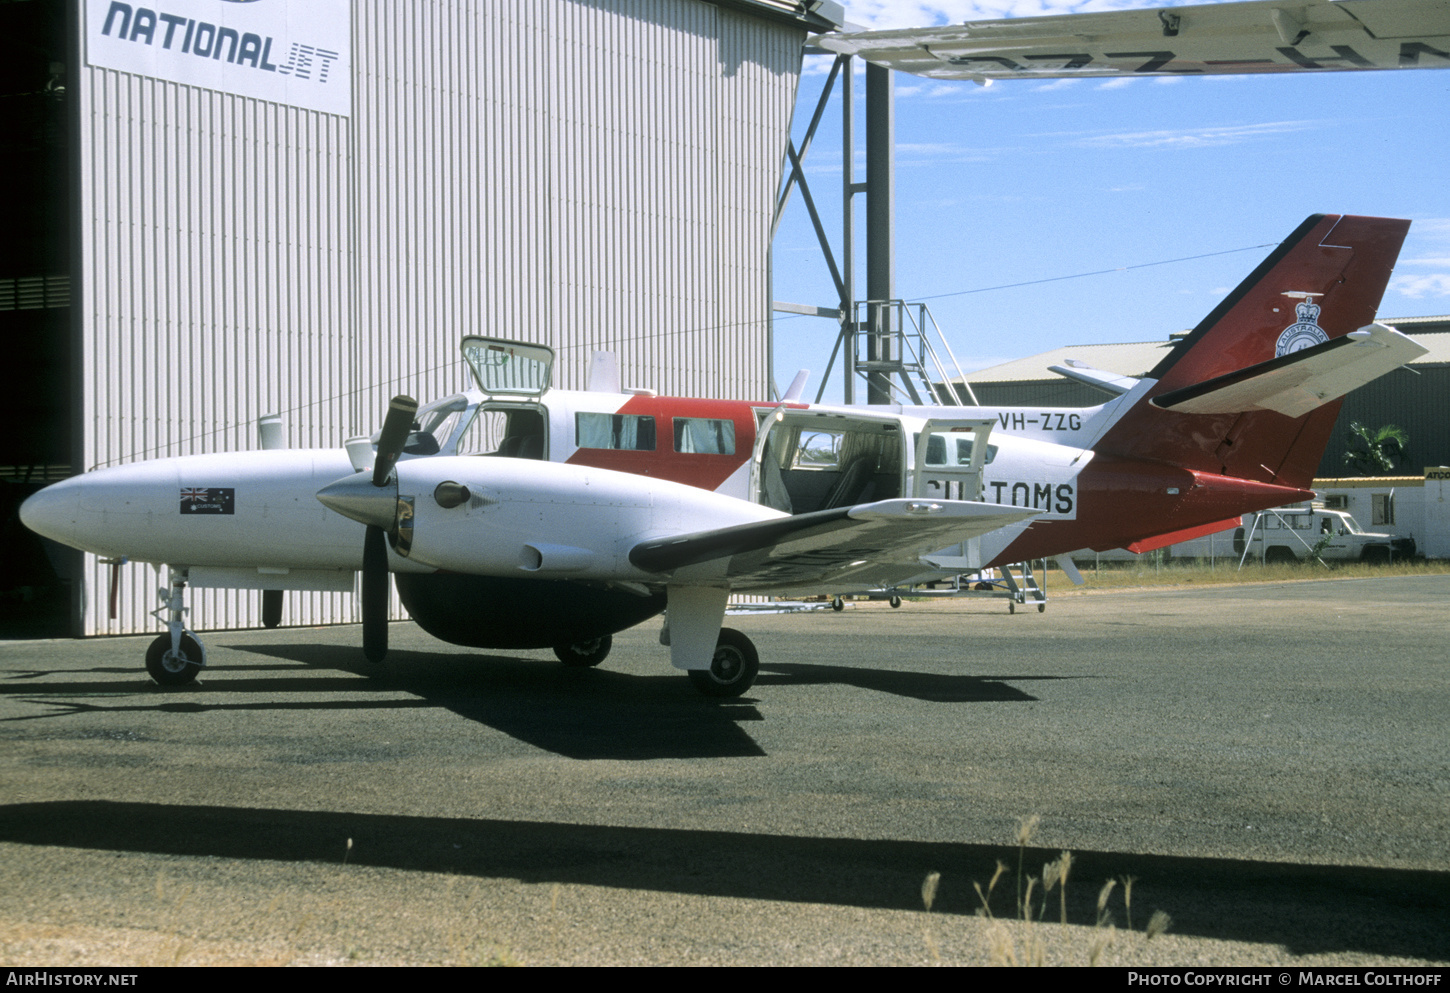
(176, 657)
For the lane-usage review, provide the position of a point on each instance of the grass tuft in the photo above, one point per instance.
(1002, 946)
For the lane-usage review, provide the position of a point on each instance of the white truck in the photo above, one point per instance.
(1291, 534)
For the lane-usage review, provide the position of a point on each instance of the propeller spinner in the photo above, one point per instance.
(374, 502)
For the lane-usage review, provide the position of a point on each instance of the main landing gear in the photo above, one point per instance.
(733, 669)
(582, 654)
(176, 656)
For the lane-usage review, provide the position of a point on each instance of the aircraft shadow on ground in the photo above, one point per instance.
(1310, 909)
(578, 713)
(930, 687)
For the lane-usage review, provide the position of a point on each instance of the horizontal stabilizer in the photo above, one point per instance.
(1187, 534)
(1112, 382)
(1297, 383)
(869, 545)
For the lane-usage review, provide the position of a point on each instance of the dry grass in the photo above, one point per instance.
(1146, 573)
(1022, 938)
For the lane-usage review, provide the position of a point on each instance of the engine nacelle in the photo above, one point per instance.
(495, 516)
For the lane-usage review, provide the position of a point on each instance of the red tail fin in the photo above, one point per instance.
(1323, 282)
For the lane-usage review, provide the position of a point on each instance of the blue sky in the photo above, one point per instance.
(1034, 180)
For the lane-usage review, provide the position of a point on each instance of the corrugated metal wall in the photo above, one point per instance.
(584, 174)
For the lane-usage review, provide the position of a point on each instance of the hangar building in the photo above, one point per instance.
(222, 210)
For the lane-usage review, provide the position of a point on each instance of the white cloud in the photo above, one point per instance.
(1194, 137)
(1430, 240)
(1416, 287)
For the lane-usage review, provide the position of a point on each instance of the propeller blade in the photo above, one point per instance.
(375, 594)
(393, 436)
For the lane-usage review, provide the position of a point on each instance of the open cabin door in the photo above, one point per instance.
(809, 460)
(951, 456)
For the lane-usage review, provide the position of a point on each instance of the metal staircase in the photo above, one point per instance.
(893, 350)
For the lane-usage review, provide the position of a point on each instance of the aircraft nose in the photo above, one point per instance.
(357, 498)
(52, 513)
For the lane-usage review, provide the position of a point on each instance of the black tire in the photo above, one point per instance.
(1011, 606)
(170, 669)
(583, 654)
(895, 602)
(838, 604)
(1279, 554)
(733, 669)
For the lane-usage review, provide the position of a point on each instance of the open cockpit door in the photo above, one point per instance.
(513, 375)
(505, 368)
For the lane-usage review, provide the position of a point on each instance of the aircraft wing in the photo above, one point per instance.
(1210, 39)
(1296, 383)
(867, 546)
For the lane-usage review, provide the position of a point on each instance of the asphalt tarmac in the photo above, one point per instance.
(1270, 765)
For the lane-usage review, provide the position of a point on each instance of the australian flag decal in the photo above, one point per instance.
(208, 500)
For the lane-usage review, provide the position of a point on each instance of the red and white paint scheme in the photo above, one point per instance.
(519, 516)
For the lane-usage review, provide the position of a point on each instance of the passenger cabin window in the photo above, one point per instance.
(818, 450)
(620, 432)
(937, 446)
(704, 436)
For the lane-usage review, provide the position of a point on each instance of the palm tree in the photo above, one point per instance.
(1376, 452)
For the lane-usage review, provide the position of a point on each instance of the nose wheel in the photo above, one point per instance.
(733, 669)
(177, 656)
(174, 668)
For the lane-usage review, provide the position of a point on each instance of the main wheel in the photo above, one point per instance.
(585, 653)
(733, 669)
(173, 668)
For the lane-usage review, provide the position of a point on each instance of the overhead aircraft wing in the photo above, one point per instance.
(1296, 383)
(1210, 39)
(867, 546)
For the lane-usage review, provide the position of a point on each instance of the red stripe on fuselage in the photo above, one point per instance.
(708, 472)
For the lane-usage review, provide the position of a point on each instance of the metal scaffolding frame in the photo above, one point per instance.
(899, 360)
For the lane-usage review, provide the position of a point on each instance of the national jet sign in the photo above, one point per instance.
(295, 52)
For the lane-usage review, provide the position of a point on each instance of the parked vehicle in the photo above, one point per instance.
(1292, 534)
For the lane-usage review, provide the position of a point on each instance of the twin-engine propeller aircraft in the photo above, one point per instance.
(519, 516)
